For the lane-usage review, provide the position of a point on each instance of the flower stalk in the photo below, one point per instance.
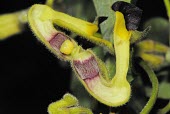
(155, 84)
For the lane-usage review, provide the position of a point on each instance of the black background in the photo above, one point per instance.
(30, 76)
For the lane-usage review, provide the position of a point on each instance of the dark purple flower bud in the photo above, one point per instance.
(132, 14)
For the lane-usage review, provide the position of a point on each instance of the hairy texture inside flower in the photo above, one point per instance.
(57, 41)
(131, 13)
(88, 68)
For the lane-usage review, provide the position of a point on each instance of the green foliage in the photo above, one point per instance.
(104, 9)
(163, 93)
(159, 29)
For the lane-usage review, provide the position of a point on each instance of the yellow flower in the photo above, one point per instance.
(12, 23)
(90, 70)
(152, 52)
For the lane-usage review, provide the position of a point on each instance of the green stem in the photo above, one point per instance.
(101, 42)
(167, 5)
(155, 84)
(165, 110)
(49, 3)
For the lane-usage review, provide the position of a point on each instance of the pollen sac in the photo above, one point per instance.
(63, 45)
(67, 47)
(132, 14)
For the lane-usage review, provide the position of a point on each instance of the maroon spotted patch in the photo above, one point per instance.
(57, 41)
(87, 69)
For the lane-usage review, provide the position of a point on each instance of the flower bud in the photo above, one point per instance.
(131, 13)
(152, 52)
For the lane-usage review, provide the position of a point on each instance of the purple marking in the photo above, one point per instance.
(87, 69)
(57, 41)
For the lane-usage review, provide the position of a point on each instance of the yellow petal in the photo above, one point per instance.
(74, 24)
(9, 25)
(120, 27)
(12, 23)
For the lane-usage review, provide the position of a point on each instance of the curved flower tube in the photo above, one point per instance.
(117, 91)
(67, 49)
(48, 35)
(83, 28)
(90, 70)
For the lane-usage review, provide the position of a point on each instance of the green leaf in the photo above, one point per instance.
(111, 66)
(76, 8)
(168, 56)
(160, 29)
(163, 93)
(103, 8)
(98, 52)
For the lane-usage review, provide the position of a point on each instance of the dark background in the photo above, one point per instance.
(30, 76)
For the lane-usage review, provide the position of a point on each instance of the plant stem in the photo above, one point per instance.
(165, 110)
(155, 84)
(49, 3)
(167, 5)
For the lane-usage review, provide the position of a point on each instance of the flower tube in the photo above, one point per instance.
(57, 42)
(80, 27)
(89, 69)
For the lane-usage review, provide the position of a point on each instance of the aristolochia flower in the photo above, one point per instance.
(90, 70)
